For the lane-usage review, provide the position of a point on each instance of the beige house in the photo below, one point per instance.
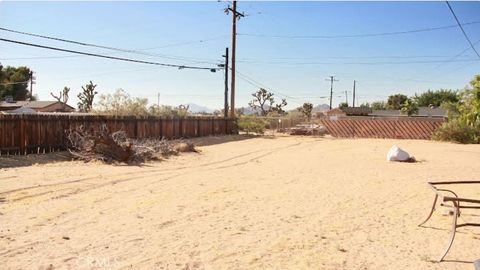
(335, 112)
(38, 106)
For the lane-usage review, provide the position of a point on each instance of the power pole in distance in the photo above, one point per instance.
(32, 78)
(235, 16)
(225, 106)
(332, 79)
(354, 83)
(346, 98)
(158, 99)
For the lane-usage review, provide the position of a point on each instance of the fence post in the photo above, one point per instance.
(22, 135)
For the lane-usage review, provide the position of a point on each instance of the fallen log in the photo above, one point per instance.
(103, 145)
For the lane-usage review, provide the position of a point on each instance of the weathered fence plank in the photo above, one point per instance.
(393, 128)
(43, 133)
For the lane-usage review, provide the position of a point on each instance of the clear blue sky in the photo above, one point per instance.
(284, 60)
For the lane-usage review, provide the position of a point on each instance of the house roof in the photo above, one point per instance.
(335, 111)
(427, 111)
(357, 110)
(22, 110)
(422, 111)
(385, 113)
(29, 104)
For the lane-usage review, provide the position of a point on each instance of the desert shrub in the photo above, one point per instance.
(436, 98)
(457, 131)
(409, 107)
(251, 124)
(465, 125)
(168, 111)
(121, 103)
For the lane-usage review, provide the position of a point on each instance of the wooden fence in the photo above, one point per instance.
(382, 127)
(43, 133)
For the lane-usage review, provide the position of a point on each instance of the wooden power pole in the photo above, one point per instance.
(225, 105)
(331, 79)
(32, 81)
(354, 82)
(235, 16)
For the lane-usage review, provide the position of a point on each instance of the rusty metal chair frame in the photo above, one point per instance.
(457, 203)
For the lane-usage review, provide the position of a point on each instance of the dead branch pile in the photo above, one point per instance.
(108, 147)
(306, 130)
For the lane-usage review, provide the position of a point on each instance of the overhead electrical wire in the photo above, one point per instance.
(469, 64)
(108, 57)
(346, 57)
(359, 63)
(176, 58)
(140, 51)
(186, 43)
(357, 35)
(463, 30)
(108, 47)
(257, 84)
(292, 99)
(450, 60)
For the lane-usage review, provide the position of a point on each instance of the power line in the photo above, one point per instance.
(456, 56)
(177, 58)
(463, 30)
(257, 84)
(293, 99)
(358, 35)
(362, 63)
(186, 43)
(108, 57)
(115, 48)
(346, 57)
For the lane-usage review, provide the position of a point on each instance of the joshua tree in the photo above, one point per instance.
(306, 110)
(62, 97)
(86, 97)
(264, 101)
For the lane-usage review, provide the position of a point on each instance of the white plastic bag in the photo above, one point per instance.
(397, 154)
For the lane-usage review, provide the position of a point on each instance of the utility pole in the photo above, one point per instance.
(158, 99)
(346, 98)
(354, 83)
(31, 84)
(332, 79)
(235, 16)
(225, 106)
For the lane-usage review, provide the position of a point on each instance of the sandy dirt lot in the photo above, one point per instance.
(257, 203)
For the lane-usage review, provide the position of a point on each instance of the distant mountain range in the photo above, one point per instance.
(321, 108)
(195, 108)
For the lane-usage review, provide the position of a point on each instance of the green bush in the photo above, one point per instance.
(251, 124)
(457, 131)
(465, 114)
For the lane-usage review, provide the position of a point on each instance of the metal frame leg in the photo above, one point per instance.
(456, 213)
(431, 211)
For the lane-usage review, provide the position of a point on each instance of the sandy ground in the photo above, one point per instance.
(258, 203)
